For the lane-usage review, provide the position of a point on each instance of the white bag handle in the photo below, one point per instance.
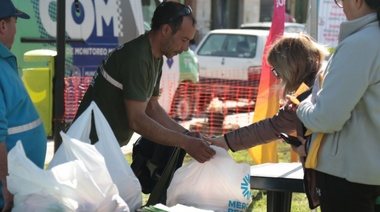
(81, 127)
(118, 167)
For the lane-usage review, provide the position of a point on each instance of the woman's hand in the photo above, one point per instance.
(290, 104)
(220, 142)
(300, 150)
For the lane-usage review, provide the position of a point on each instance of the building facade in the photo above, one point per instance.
(230, 14)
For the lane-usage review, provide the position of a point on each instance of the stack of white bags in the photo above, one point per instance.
(85, 177)
(80, 177)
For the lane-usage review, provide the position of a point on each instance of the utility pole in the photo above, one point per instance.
(312, 21)
(58, 82)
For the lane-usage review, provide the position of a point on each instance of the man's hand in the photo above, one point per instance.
(194, 134)
(220, 142)
(199, 149)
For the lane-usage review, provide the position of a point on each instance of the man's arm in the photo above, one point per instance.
(157, 113)
(155, 129)
(8, 197)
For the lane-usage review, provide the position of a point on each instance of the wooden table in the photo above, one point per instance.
(280, 180)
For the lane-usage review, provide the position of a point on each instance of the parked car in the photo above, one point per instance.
(289, 27)
(230, 65)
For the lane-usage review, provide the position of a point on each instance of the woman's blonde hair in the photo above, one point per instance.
(296, 59)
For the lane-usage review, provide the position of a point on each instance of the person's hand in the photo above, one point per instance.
(198, 149)
(301, 149)
(8, 199)
(220, 142)
(195, 134)
(290, 105)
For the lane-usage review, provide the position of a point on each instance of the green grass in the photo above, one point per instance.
(299, 200)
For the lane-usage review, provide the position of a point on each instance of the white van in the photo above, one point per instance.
(289, 27)
(230, 64)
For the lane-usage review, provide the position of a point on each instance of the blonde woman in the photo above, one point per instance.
(294, 60)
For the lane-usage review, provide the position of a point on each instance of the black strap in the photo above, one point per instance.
(165, 179)
(305, 94)
(302, 97)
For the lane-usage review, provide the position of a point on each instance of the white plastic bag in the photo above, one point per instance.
(122, 175)
(67, 187)
(220, 184)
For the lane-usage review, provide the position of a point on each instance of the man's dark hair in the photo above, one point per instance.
(168, 13)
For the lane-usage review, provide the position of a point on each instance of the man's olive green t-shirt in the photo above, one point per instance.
(135, 68)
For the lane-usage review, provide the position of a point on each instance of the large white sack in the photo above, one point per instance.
(66, 187)
(220, 184)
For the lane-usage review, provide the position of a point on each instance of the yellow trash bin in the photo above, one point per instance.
(39, 84)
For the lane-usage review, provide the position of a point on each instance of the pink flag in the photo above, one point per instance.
(267, 103)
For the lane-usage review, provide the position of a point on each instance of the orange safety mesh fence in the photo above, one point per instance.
(75, 88)
(211, 106)
(220, 109)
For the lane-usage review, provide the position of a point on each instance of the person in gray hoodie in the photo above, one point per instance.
(346, 109)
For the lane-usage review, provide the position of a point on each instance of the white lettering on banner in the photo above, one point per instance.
(91, 51)
(280, 3)
(96, 12)
(117, 48)
(103, 12)
(47, 22)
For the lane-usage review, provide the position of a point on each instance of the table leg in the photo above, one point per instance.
(279, 201)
